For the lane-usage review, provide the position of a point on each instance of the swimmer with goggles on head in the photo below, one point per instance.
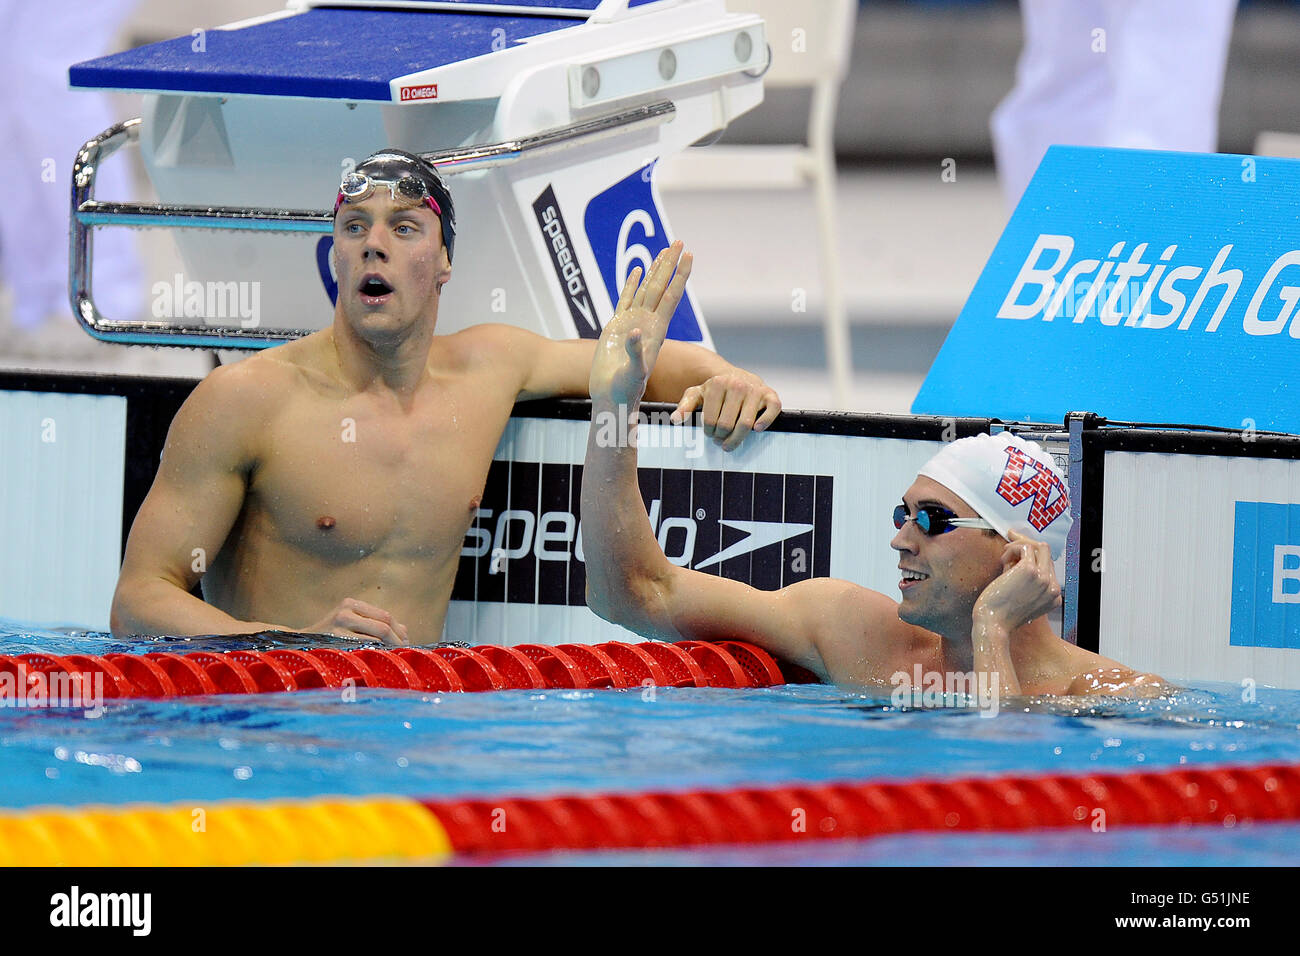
(411, 181)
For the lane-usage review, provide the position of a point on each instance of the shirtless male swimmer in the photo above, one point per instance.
(326, 485)
(975, 592)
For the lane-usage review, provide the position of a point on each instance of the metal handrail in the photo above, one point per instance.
(88, 213)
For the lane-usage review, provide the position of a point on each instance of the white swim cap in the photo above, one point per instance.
(1011, 483)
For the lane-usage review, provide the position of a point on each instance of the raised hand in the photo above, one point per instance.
(630, 342)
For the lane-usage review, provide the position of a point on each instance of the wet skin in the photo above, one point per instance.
(326, 485)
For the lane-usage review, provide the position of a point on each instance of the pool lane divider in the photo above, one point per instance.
(402, 829)
(225, 833)
(437, 669)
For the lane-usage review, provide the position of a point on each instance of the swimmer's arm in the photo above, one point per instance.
(632, 584)
(833, 628)
(1025, 590)
(731, 400)
(629, 581)
(560, 367)
(1120, 682)
(991, 653)
(195, 499)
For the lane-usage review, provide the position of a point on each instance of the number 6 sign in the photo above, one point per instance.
(625, 230)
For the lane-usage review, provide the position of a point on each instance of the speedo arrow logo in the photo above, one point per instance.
(758, 534)
(525, 543)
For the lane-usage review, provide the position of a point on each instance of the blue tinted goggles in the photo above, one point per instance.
(932, 520)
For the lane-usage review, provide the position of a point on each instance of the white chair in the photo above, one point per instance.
(810, 42)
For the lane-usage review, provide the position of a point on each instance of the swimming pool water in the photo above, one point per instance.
(548, 742)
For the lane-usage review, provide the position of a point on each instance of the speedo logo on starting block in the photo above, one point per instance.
(1139, 288)
(525, 546)
(564, 259)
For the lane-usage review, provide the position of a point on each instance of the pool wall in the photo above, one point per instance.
(811, 497)
(787, 506)
(61, 482)
(1185, 561)
(1198, 553)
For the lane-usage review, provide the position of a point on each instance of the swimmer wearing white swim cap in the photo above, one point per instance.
(977, 532)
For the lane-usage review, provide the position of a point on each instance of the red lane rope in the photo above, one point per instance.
(436, 669)
(1226, 796)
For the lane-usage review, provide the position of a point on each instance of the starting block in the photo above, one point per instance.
(550, 114)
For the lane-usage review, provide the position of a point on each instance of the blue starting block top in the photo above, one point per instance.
(326, 53)
(582, 8)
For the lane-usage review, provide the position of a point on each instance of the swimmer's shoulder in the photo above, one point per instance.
(463, 350)
(310, 360)
(235, 401)
(1101, 675)
(487, 336)
(488, 343)
(274, 374)
(857, 631)
(496, 357)
(213, 427)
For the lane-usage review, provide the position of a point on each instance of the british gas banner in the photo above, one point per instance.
(1141, 285)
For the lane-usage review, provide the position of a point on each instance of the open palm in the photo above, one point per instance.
(630, 342)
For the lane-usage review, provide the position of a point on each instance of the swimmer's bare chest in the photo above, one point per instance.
(357, 497)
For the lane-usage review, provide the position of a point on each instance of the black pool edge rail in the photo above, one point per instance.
(152, 402)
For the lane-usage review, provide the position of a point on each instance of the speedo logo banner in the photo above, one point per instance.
(525, 546)
(1140, 285)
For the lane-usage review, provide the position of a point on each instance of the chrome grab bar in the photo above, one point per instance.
(88, 213)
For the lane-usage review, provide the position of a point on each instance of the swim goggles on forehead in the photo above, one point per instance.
(407, 190)
(932, 520)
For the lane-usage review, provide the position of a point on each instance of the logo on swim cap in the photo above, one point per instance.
(1014, 488)
(1011, 483)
